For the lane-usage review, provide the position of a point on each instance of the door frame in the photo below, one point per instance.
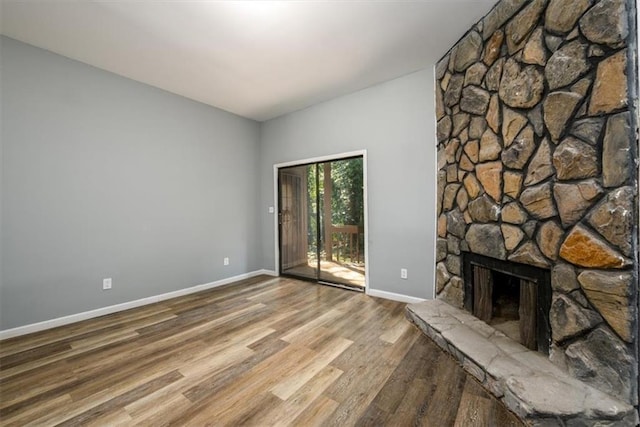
(321, 159)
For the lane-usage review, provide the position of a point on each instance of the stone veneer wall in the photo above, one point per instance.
(536, 149)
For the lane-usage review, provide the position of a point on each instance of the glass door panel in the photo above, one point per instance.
(342, 245)
(297, 217)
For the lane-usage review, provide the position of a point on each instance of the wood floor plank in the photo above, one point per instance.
(118, 403)
(409, 411)
(214, 383)
(26, 414)
(36, 382)
(251, 385)
(148, 314)
(354, 405)
(418, 362)
(317, 413)
(304, 372)
(146, 408)
(474, 406)
(264, 351)
(394, 332)
(302, 398)
(446, 397)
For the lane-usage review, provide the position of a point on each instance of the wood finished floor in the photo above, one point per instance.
(265, 351)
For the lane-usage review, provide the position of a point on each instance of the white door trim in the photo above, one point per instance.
(321, 159)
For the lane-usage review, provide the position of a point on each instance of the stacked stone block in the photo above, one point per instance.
(536, 165)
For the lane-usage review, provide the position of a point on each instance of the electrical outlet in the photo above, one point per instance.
(403, 273)
(272, 209)
(106, 284)
(225, 261)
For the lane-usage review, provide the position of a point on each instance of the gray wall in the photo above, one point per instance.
(394, 122)
(106, 177)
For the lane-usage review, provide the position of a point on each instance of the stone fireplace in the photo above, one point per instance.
(537, 152)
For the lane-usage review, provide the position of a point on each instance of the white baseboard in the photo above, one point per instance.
(393, 296)
(60, 321)
(267, 272)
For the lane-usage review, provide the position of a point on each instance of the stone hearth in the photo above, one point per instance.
(526, 382)
(537, 165)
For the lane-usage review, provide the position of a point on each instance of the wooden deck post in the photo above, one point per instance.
(328, 226)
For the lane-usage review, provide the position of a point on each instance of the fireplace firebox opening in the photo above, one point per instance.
(513, 298)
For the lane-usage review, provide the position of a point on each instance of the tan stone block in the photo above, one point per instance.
(472, 186)
(521, 25)
(518, 154)
(512, 183)
(442, 226)
(492, 79)
(450, 193)
(549, 239)
(582, 87)
(451, 150)
(460, 121)
(467, 217)
(616, 147)
(462, 199)
(583, 248)
(444, 82)
(493, 114)
(477, 127)
(538, 201)
(472, 150)
(514, 214)
(464, 135)
(442, 158)
(440, 111)
(490, 176)
(573, 200)
(492, 48)
(467, 51)
(534, 51)
(490, 147)
(558, 108)
(475, 74)
(512, 236)
(529, 254)
(561, 16)
(609, 293)
(540, 167)
(610, 88)
(442, 276)
(512, 123)
(452, 173)
(466, 164)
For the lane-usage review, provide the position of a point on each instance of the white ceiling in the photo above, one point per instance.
(257, 59)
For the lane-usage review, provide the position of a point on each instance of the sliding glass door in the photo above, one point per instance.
(321, 220)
